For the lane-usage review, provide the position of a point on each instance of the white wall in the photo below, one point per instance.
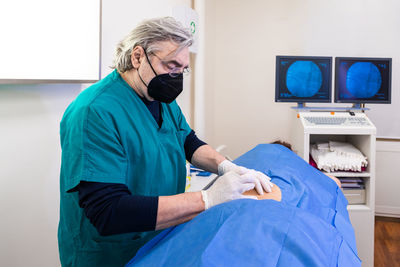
(29, 171)
(120, 17)
(205, 69)
(243, 39)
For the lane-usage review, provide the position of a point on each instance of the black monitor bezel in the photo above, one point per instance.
(305, 100)
(361, 101)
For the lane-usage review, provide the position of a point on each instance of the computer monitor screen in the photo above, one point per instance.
(363, 80)
(303, 79)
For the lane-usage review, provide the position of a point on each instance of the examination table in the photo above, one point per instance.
(310, 226)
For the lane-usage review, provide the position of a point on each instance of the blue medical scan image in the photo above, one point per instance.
(363, 80)
(304, 78)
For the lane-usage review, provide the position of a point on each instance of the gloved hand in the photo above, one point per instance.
(228, 187)
(263, 180)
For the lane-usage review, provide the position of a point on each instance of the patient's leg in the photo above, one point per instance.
(275, 194)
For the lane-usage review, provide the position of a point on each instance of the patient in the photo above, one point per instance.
(309, 227)
(276, 191)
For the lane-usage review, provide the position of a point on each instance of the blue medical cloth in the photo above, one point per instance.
(309, 227)
(302, 185)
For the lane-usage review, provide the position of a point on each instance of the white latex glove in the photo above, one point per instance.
(263, 181)
(228, 187)
(226, 166)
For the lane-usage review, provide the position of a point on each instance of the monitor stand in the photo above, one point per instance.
(360, 106)
(301, 105)
(356, 107)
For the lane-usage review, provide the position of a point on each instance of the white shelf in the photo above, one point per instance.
(363, 138)
(349, 174)
(359, 207)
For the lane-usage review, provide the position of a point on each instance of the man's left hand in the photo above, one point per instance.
(264, 182)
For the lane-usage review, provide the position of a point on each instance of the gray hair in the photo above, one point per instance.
(147, 35)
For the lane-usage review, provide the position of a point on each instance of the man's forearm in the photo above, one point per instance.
(177, 209)
(207, 158)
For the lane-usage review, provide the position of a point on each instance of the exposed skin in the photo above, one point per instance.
(276, 194)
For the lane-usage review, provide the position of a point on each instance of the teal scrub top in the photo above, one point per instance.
(108, 135)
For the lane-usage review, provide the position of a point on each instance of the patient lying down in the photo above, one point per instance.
(276, 193)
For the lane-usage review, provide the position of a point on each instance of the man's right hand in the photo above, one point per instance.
(228, 187)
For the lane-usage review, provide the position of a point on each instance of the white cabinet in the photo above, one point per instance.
(363, 137)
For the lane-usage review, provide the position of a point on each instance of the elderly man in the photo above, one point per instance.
(124, 144)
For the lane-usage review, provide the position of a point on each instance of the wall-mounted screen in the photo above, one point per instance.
(363, 80)
(303, 79)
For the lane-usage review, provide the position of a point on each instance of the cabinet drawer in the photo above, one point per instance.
(355, 196)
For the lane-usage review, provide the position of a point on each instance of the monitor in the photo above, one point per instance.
(363, 80)
(303, 79)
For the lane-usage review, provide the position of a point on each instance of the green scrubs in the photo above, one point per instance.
(108, 135)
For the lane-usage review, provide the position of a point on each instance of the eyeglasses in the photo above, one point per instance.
(173, 70)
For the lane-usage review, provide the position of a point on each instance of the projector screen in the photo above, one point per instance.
(49, 41)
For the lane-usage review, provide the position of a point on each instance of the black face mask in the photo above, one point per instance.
(164, 88)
